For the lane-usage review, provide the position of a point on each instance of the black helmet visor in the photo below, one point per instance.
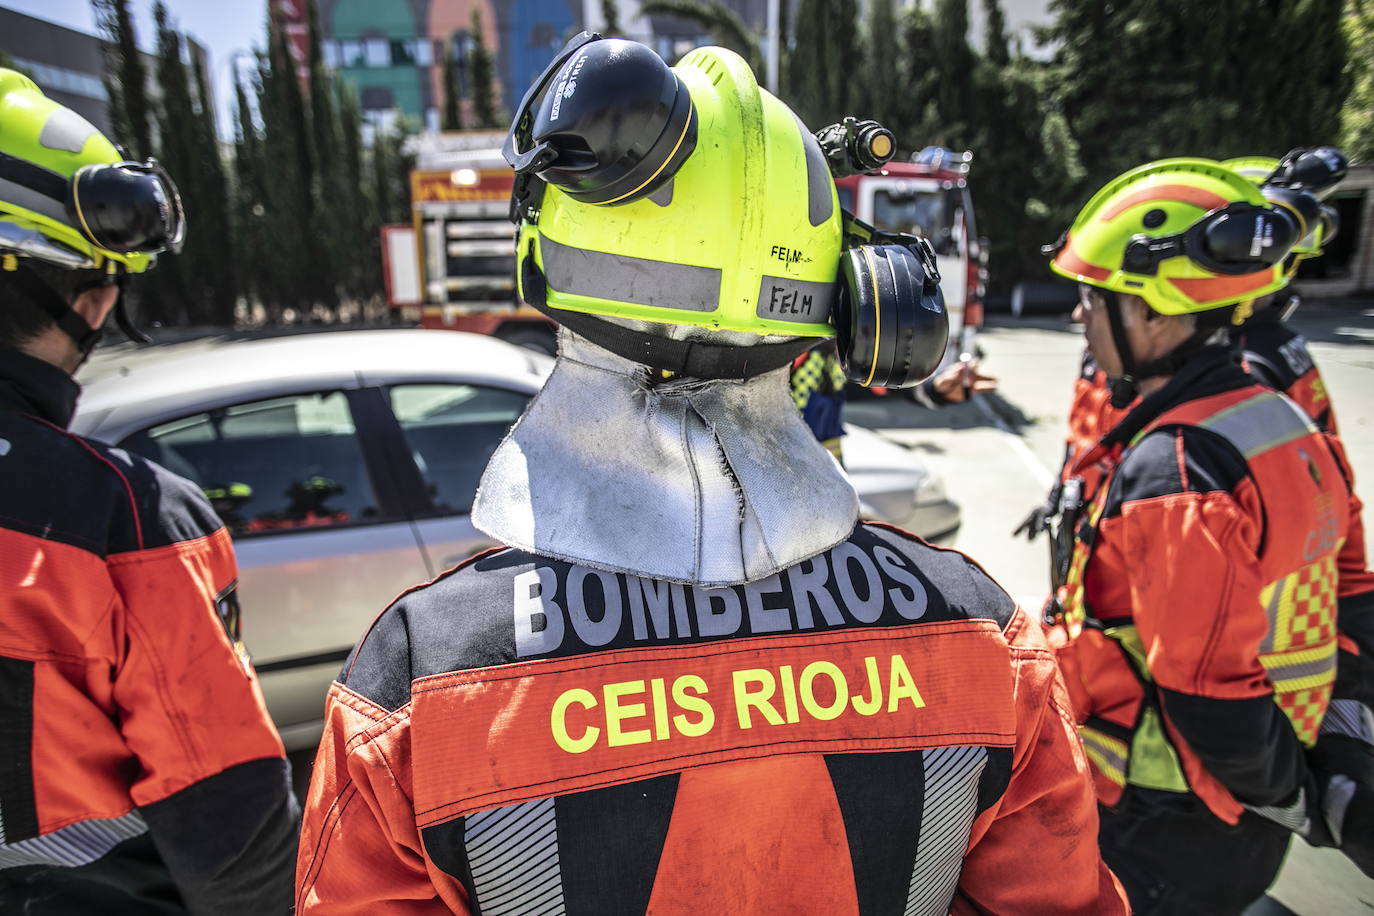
(128, 207)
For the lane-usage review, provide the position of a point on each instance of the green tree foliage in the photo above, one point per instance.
(822, 60)
(715, 19)
(995, 46)
(126, 80)
(1144, 79)
(217, 254)
(453, 116)
(610, 14)
(882, 66)
(482, 68)
(1357, 117)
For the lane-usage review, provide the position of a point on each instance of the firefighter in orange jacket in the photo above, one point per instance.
(1276, 356)
(139, 772)
(1198, 618)
(692, 682)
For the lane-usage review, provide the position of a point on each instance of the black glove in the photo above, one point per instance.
(1039, 518)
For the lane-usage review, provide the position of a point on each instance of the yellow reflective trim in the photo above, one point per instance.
(877, 314)
(1106, 752)
(1325, 650)
(691, 115)
(1154, 761)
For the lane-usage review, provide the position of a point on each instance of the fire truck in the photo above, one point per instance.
(461, 243)
(929, 196)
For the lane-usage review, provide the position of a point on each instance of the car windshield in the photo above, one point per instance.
(926, 212)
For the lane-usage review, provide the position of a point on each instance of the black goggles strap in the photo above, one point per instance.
(692, 358)
(46, 298)
(34, 177)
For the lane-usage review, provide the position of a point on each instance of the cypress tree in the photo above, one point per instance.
(182, 300)
(249, 200)
(329, 190)
(482, 69)
(453, 116)
(288, 147)
(125, 78)
(882, 67)
(610, 13)
(217, 249)
(1357, 116)
(995, 34)
(822, 61)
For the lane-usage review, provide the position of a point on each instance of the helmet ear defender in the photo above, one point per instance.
(1240, 238)
(608, 123)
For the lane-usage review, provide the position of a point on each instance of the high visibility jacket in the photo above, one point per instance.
(1277, 356)
(1202, 601)
(1091, 416)
(139, 772)
(875, 730)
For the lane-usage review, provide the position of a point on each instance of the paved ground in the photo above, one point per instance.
(997, 457)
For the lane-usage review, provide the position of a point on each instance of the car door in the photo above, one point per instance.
(451, 430)
(321, 527)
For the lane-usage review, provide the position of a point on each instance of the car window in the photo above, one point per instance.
(451, 431)
(267, 466)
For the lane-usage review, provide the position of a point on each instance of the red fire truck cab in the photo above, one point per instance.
(929, 197)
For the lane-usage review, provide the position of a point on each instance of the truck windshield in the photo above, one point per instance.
(929, 213)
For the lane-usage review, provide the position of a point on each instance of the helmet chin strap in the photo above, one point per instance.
(1123, 387)
(1126, 387)
(61, 312)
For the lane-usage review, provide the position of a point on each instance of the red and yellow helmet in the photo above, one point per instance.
(1186, 235)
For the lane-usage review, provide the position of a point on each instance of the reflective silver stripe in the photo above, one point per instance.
(948, 806)
(74, 845)
(29, 199)
(1096, 744)
(620, 278)
(513, 855)
(1278, 673)
(66, 130)
(1260, 423)
(1350, 718)
(1294, 817)
(800, 301)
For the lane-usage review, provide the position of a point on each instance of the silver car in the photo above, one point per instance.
(345, 464)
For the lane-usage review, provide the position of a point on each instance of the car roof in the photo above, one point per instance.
(126, 389)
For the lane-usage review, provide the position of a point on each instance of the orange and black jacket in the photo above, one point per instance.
(876, 730)
(1202, 601)
(139, 772)
(1091, 416)
(1277, 357)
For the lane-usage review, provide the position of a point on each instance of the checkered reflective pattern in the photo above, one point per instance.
(815, 369)
(1299, 651)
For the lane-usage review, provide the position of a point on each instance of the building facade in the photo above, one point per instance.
(66, 64)
(391, 51)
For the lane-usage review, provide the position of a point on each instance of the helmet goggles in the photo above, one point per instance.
(128, 207)
(120, 207)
